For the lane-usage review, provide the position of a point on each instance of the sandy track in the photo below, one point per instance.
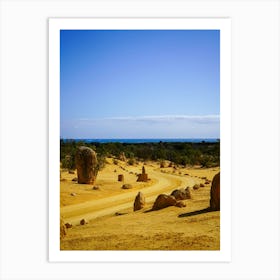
(105, 206)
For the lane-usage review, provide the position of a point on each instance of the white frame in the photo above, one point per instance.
(222, 24)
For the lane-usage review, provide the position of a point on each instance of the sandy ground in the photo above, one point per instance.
(112, 224)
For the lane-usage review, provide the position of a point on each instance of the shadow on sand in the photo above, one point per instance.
(194, 213)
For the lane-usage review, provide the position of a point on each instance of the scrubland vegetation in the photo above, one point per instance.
(182, 153)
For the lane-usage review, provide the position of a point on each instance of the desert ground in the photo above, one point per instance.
(113, 225)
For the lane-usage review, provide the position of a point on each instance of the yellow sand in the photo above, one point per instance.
(144, 229)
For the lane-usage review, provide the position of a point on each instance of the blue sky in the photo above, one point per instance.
(139, 83)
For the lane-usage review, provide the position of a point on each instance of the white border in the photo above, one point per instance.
(55, 25)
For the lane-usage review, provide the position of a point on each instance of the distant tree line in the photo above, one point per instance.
(181, 153)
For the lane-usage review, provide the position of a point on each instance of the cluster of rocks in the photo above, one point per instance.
(174, 199)
(163, 200)
(87, 168)
(198, 186)
(182, 194)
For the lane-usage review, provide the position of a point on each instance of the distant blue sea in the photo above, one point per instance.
(156, 140)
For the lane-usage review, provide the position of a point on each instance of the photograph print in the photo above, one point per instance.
(140, 136)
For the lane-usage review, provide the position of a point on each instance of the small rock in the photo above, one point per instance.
(120, 214)
(201, 185)
(71, 172)
(83, 222)
(68, 225)
(196, 187)
(96, 188)
(120, 177)
(75, 179)
(188, 192)
(180, 204)
(73, 194)
(127, 186)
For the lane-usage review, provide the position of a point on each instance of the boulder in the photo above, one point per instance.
(86, 163)
(181, 194)
(127, 186)
(164, 201)
(62, 229)
(120, 178)
(139, 202)
(180, 204)
(215, 193)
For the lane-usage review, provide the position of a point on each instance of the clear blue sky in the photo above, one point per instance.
(140, 83)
